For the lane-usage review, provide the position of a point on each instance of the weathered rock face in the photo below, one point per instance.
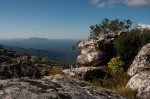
(52, 89)
(141, 83)
(140, 73)
(141, 61)
(96, 51)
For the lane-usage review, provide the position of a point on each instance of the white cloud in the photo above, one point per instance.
(137, 2)
(109, 3)
(94, 1)
(98, 3)
(141, 25)
(102, 4)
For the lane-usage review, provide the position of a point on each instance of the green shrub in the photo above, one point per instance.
(145, 37)
(107, 70)
(116, 83)
(97, 73)
(128, 44)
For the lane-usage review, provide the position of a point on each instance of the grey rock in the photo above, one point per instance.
(140, 73)
(96, 51)
(140, 83)
(79, 72)
(34, 59)
(17, 70)
(13, 65)
(141, 61)
(58, 89)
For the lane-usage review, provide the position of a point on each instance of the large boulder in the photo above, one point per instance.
(141, 61)
(52, 89)
(140, 73)
(140, 83)
(96, 51)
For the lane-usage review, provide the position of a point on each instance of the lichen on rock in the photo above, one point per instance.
(96, 51)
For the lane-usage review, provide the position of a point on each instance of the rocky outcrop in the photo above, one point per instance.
(96, 51)
(140, 73)
(18, 69)
(141, 61)
(52, 89)
(14, 65)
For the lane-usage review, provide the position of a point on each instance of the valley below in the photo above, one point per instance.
(55, 49)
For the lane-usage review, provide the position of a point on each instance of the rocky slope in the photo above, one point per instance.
(28, 77)
(140, 73)
(13, 65)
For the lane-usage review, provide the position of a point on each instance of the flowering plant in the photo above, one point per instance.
(116, 65)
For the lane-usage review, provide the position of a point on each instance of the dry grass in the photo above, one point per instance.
(131, 94)
(56, 70)
(117, 84)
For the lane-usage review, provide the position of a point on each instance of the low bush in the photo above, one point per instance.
(115, 78)
(129, 43)
(145, 37)
(97, 73)
(115, 83)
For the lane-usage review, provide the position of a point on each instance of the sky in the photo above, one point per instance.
(66, 19)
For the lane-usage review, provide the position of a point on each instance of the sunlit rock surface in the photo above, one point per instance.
(52, 89)
(141, 61)
(96, 51)
(140, 73)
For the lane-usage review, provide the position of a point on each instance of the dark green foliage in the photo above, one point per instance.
(108, 52)
(116, 82)
(106, 79)
(145, 37)
(129, 43)
(97, 73)
(110, 26)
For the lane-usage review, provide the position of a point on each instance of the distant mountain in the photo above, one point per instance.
(60, 50)
(35, 40)
(41, 43)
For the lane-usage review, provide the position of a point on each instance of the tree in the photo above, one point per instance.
(114, 26)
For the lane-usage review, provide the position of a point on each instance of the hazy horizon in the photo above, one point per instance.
(43, 38)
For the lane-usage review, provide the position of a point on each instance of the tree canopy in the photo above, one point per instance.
(110, 26)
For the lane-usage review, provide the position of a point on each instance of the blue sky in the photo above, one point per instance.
(65, 19)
